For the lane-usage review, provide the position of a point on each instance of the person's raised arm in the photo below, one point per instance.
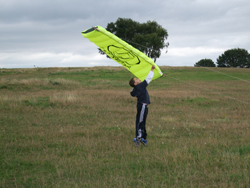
(150, 75)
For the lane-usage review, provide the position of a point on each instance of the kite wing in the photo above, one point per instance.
(132, 59)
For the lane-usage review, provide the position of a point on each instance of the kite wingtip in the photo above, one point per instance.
(95, 28)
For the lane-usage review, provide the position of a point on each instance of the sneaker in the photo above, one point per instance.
(137, 142)
(144, 142)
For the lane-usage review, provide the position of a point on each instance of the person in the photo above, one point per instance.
(139, 90)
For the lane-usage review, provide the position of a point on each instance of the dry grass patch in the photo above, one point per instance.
(38, 82)
(169, 119)
(67, 97)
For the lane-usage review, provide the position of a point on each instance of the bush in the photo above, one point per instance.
(205, 63)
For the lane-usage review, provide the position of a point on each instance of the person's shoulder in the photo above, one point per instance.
(144, 83)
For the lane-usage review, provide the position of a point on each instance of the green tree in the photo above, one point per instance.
(234, 58)
(147, 37)
(205, 63)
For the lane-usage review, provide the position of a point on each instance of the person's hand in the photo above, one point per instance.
(153, 67)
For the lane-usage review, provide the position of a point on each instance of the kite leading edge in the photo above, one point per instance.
(132, 59)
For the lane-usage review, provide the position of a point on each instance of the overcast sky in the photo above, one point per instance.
(47, 33)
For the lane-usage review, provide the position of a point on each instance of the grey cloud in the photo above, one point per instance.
(54, 27)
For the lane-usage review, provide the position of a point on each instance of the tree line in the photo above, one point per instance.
(237, 57)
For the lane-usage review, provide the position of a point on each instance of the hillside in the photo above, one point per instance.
(74, 127)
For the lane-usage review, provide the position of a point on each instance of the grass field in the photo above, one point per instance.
(74, 127)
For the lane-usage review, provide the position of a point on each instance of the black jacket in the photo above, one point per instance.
(141, 93)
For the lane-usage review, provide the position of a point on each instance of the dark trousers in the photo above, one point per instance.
(140, 124)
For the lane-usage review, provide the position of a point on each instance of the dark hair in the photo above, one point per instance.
(132, 82)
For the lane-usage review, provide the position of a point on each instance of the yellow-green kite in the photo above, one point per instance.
(132, 59)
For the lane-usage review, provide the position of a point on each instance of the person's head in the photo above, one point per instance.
(134, 81)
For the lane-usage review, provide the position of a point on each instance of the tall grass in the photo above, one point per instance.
(73, 127)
